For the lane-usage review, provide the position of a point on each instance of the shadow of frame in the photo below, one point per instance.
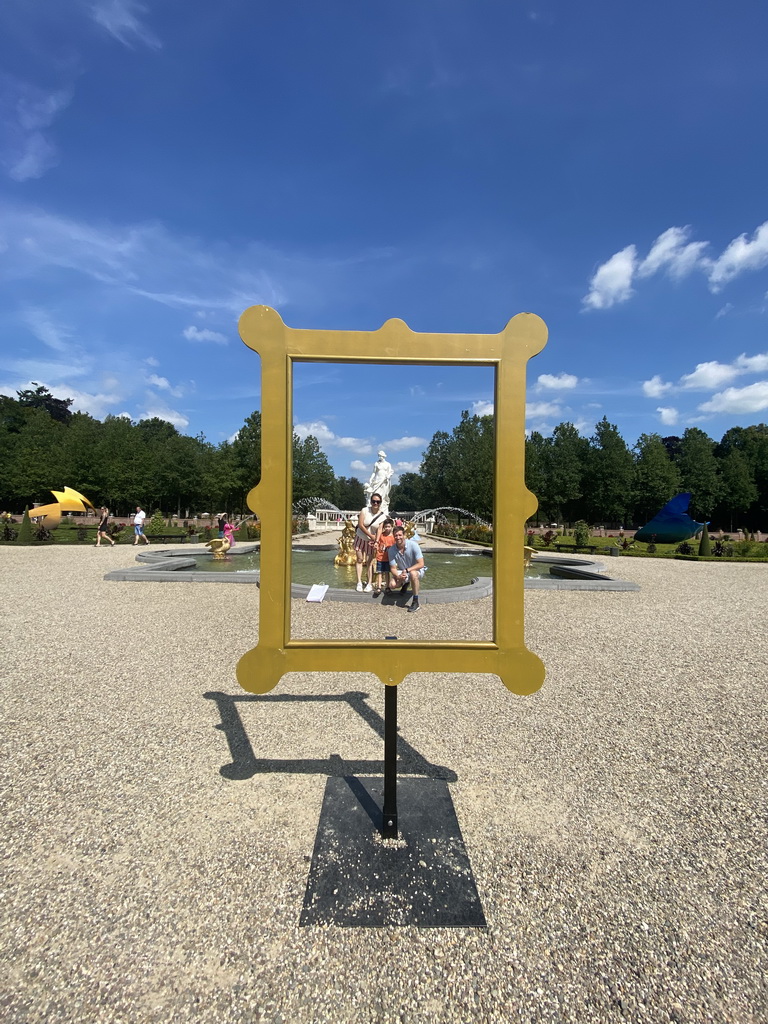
(245, 764)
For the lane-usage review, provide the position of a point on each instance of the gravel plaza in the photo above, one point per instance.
(155, 854)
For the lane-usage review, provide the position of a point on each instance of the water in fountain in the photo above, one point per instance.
(420, 517)
(305, 506)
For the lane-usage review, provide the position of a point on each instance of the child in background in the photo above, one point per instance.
(384, 540)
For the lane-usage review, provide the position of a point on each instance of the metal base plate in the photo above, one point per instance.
(423, 878)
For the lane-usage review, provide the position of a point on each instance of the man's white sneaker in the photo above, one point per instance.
(359, 588)
(368, 588)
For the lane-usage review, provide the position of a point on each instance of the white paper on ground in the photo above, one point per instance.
(317, 592)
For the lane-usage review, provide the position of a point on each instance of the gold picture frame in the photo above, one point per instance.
(279, 347)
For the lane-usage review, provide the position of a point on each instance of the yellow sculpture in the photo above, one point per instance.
(346, 555)
(67, 501)
(219, 546)
(528, 554)
(394, 343)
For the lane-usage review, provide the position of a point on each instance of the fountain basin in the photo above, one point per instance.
(168, 566)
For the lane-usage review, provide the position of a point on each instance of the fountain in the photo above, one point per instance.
(306, 506)
(451, 568)
(426, 513)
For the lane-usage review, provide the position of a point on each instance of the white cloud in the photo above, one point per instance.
(655, 387)
(121, 19)
(96, 405)
(742, 254)
(25, 113)
(145, 260)
(358, 466)
(737, 401)
(399, 444)
(55, 336)
(708, 376)
(612, 282)
(482, 408)
(325, 435)
(163, 384)
(354, 444)
(668, 415)
(545, 429)
(406, 467)
(49, 372)
(674, 255)
(533, 410)
(724, 310)
(752, 364)
(157, 409)
(561, 382)
(151, 361)
(193, 333)
(318, 429)
(673, 252)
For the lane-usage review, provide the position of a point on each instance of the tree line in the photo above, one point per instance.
(600, 479)
(119, 463)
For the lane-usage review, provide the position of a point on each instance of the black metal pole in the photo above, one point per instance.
(389, 822)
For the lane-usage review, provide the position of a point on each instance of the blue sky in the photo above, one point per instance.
(164, 165)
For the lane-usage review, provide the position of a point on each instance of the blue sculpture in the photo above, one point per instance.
(672, 524)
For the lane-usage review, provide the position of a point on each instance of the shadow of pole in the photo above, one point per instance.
(245, 764)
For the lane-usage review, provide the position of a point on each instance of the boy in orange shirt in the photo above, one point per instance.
(384, 540)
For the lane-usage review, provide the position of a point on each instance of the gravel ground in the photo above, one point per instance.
(615, 821)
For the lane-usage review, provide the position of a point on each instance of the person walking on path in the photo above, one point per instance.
(407, 564)
(138, 525)
(368, 523)
(102, 528)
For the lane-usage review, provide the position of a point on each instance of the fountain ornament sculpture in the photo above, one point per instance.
(379, 481)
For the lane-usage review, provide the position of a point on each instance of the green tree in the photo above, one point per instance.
(246, 457)
(38, 463)
(116, 456)
(83, 467)
(41, 398)
(312, 473)
(699, 472)
(564, 473)
(536, 457)
(151, 462)
(655, 479)
(608, 475)
(468, 474)
(407, 495)
(435, 466)
(348, 493)
(738, 492)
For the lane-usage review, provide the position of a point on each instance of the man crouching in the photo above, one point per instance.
(406, 562)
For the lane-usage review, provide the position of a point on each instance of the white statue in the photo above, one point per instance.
(379, 481)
